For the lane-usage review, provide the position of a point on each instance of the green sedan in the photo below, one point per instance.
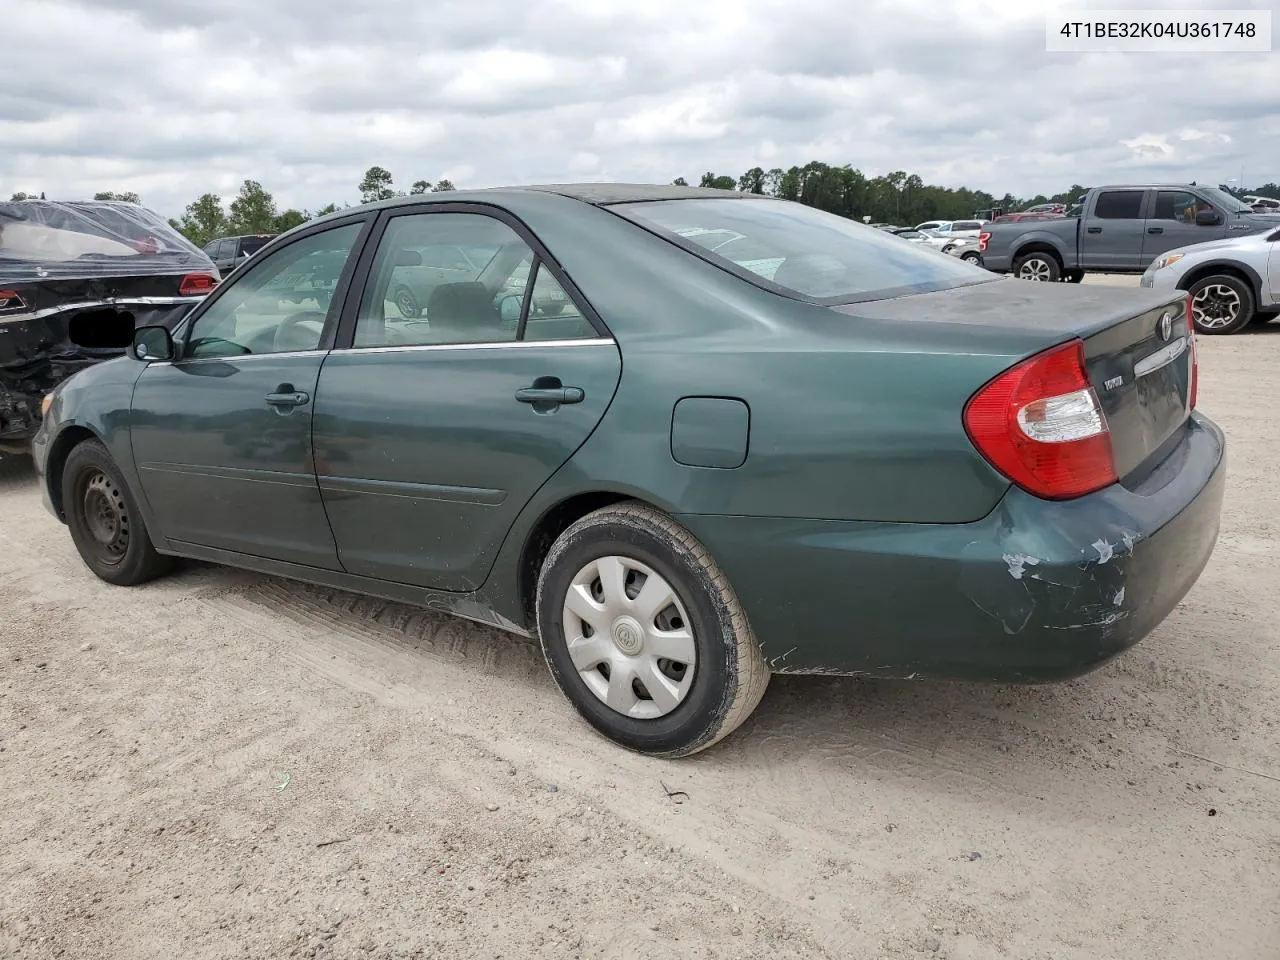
(813, 449)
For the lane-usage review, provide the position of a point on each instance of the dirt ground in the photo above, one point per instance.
(227, 765)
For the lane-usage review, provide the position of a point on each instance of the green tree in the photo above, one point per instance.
(129, 197)
(679, 182)
(253, 210)
(753, 181)
(22, 196)
(324, 211)
(203, 220)
(443, 185)
(419, 186)
(287, 220)
(709, 179)
(376, 185)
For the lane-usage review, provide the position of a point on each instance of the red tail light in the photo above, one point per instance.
(982, 242)
(9, 300)
(1041, 425)
(196, 284)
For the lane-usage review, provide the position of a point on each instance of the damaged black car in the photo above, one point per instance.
(76, 278)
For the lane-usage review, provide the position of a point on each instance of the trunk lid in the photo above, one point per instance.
(1142, 378)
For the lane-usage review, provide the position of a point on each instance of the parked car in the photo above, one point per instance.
(1054, 208)
(881, 461)
(954, 230)
(915, 236)
(966, 248)
(1121, 229)
(931, 225)
(227, 253)
(1232, 282)
(75, 278)
(1263, 204)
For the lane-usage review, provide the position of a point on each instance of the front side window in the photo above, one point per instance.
(444, 278)
(1178, 205)
(818, 255)
(277, 304)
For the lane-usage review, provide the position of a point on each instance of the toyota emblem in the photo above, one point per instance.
(1166, 326)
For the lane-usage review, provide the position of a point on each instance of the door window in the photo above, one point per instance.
(278, 304)
(552, 314)
(1119, 205)
(445, 278)
(1178, 205)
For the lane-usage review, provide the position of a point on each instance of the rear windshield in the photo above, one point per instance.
(251, 245)
(818, 255)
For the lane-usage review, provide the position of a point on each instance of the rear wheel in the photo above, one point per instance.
(407, 303)
(105, 523)
(644, 635)
(1038, 266)
(972, 257)
(1221, 304)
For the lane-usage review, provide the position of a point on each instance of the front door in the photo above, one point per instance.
(1111, 235)
(433, 431)
(222, 435)
(1172, 223)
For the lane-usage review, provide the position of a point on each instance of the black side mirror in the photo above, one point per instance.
(153, 344)
(1207, 218)
(408, 258)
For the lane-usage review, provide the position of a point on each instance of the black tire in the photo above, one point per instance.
(971, 257)
(730, 674)
(407, 303)
(1038, 266)
(105, 522)
(1221, 304)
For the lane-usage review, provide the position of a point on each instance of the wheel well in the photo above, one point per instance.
(1037, 247)
(67, 440)
(553, 523)
(1219, 269)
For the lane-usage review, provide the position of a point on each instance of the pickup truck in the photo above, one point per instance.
(1119, 229)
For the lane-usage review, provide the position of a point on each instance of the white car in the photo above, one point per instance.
(1232, 282)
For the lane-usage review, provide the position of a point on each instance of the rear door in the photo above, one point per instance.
(1171, 222)
(1112, 233)
(432, 432)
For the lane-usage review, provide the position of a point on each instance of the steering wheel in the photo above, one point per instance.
(291, 327)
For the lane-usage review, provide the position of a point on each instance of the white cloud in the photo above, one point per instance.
(172, 98)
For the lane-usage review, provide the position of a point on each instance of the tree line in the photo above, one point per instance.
(896, 197)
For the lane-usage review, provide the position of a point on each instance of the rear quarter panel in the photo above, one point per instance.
(1009, 240)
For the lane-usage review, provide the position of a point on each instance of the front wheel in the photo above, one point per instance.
(105, 523)
(1040, 267)
(407, 304)
(644, 635)
(974, 258)
(1221, 304)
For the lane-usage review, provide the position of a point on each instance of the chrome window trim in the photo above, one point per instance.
(480, 345)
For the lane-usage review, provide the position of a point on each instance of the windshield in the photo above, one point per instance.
(1220, 198)
(818, 255)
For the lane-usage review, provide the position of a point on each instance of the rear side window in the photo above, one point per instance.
(1119, 205)
(818, 255)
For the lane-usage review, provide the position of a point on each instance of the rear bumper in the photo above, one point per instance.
(1036, 591)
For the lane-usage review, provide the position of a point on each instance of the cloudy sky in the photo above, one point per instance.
(173, 98)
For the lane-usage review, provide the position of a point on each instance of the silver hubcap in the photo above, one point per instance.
(1217, 305)
(1035, 270)
(629, 637)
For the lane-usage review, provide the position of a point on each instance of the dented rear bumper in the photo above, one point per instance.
(1036, 591)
